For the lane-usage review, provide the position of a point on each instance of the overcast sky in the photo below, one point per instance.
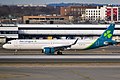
(57, 1)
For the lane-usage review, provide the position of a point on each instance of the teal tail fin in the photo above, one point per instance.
(105, 38)
(108, 33)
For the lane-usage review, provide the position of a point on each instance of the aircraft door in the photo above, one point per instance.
(16, 44)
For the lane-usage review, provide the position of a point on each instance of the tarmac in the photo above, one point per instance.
(60, 73)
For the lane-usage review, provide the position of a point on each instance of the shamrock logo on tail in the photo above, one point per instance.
(107, 34)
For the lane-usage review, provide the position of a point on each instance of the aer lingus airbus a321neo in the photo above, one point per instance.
(52, 46)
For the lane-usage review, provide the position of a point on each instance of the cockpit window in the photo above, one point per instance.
(8, 42)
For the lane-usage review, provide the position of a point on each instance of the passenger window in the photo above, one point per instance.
(9, 42)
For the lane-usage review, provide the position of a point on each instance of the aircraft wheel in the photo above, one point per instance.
(42, 51)
(59, 53)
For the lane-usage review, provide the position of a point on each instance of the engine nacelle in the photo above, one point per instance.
(49, 50)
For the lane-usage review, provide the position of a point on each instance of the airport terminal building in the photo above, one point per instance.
(8, 32)
(54, 31)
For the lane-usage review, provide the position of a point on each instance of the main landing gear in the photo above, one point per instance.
(59, 53)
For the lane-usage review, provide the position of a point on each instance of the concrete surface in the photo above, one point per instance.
(59, 73)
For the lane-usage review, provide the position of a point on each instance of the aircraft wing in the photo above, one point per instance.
(51, 50)
(64, 47)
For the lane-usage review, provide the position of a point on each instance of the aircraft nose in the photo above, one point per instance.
(4, 46)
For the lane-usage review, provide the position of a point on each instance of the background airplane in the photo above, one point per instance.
(52, 46)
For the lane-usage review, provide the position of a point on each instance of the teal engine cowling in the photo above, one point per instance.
(49, 50)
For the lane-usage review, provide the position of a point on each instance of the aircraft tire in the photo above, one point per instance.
(59, 53)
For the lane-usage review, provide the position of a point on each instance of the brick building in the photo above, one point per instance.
(75, 11)
(46, 19)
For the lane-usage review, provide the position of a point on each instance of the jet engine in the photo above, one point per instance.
(49, 50)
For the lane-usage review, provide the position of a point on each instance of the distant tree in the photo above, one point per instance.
(16, 11)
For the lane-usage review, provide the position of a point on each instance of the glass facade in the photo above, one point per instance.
(8, 32)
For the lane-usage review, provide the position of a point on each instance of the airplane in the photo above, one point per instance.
(51, 46)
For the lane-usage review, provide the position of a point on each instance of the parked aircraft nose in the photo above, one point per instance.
(4, 46)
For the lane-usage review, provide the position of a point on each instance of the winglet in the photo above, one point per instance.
(75, 41)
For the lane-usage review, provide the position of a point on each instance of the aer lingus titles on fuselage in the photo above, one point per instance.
(52, 46)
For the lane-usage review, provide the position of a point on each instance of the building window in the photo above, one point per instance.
(74, 9)
(65, 10)
(71, 9)
(65, 13)
(8, 32)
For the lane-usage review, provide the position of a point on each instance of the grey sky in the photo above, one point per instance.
(57, 1)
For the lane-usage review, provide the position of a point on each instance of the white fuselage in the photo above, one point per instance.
(40, 44)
